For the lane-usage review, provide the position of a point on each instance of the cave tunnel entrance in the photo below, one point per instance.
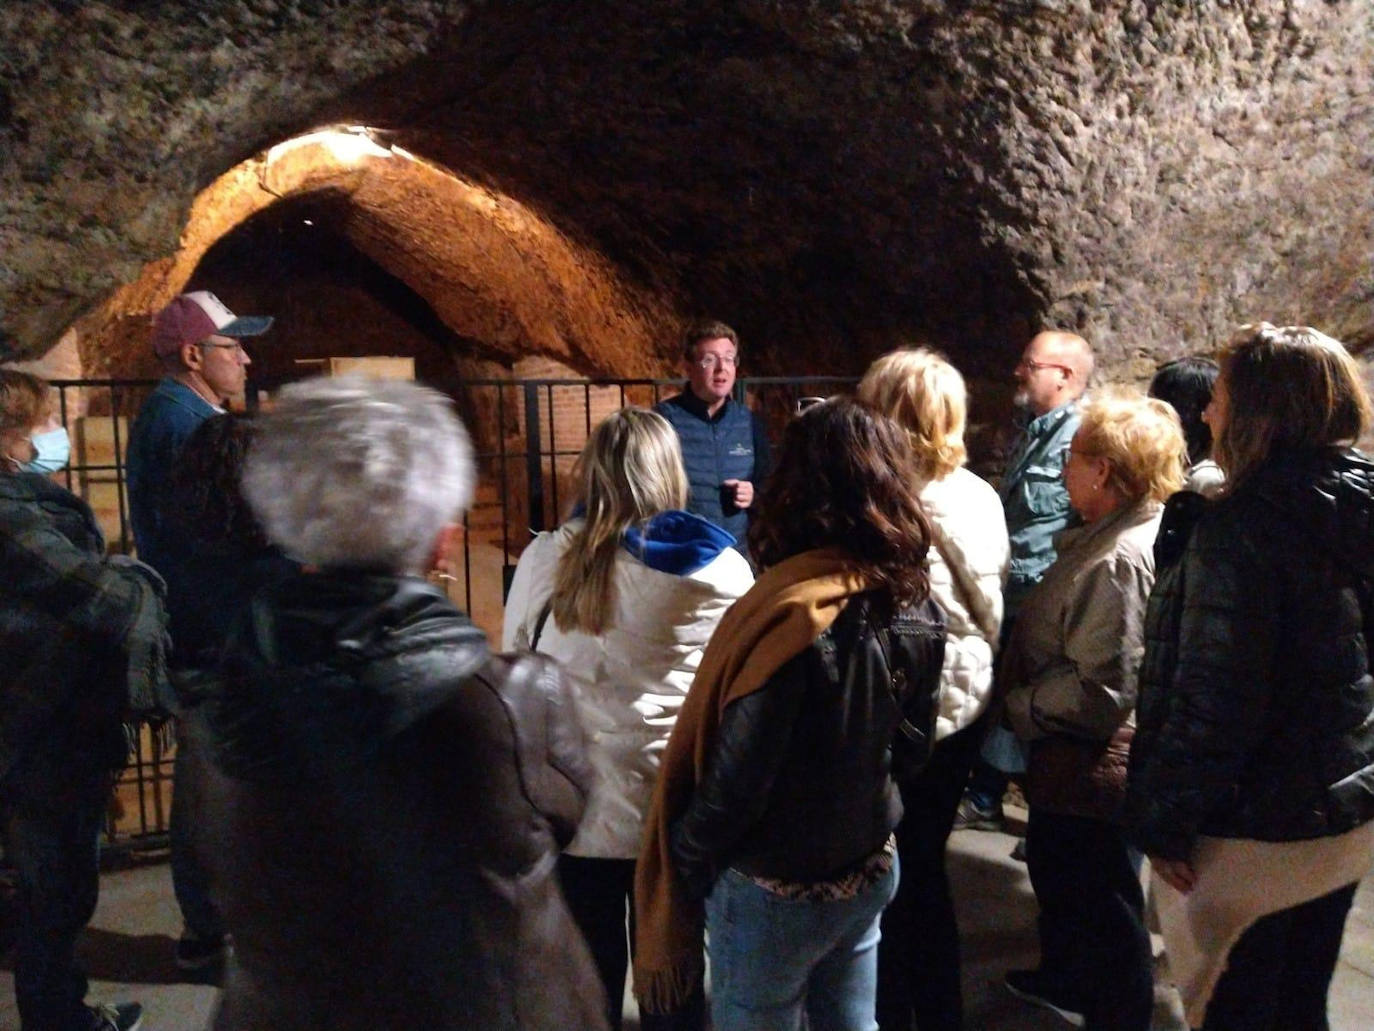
(358, 248)
(295, 261)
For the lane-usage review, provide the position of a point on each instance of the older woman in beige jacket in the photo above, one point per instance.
(918, 960)
(1069, 673)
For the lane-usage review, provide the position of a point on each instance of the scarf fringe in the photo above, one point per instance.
(788, 607)
(666, 991)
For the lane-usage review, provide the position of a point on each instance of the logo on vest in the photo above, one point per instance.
(740, 450)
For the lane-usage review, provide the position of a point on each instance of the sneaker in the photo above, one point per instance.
(970, 816)
(195, 953)
(1033, 987)
(124, 1016)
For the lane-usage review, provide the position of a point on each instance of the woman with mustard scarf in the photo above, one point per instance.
(771, 826)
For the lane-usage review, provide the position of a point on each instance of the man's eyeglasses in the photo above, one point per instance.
(1034, 366)
(710, 361)
(235, 346)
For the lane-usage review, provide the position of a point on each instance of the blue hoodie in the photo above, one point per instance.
(677, 542)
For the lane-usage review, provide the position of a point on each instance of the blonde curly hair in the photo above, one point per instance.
(1141, 440)
(926, 396)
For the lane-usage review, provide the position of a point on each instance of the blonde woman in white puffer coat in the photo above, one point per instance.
(625, 596)
(918, 959)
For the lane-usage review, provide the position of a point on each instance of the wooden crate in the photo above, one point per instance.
(374, 366)
(94, 444)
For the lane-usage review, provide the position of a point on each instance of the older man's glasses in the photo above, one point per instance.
(1034, 366)
(235, 346)
(711, 361)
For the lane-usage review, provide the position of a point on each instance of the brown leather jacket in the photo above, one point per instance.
(380, 803)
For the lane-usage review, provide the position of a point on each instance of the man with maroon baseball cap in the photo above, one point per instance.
(197, 340)
(199, 343)
(193, 317)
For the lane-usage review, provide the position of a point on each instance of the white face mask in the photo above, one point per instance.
(52, 451)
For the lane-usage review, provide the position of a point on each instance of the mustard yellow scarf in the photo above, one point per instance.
(783, 613)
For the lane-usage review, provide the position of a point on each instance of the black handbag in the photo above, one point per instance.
(915, 688)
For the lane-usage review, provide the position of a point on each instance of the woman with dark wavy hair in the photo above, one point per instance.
(772, 821)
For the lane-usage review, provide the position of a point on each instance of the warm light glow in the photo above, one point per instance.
(347, 146)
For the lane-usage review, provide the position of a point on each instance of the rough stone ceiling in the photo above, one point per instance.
(832, 177)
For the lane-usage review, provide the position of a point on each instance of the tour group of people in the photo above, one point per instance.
(743, 700)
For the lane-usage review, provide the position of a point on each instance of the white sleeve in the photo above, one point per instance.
(530, 588)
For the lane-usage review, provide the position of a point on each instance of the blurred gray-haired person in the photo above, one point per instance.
(385, 797)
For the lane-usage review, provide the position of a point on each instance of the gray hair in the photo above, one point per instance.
(351, 472)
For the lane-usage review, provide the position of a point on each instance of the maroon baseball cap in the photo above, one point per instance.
(192, 317)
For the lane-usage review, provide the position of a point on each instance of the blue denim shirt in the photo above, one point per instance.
(1035, 500)
(170, 415)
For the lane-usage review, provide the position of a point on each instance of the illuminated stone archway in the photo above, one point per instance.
(491, 268)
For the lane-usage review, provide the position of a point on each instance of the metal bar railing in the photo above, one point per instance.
(554, 419)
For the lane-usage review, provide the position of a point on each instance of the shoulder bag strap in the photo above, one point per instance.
(539, 625)
(896, 685)
(972, 601)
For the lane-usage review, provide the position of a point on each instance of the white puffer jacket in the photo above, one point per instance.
(630, 681)
(968, 567)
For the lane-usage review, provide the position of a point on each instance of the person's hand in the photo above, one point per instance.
(1176, 873)
(744, 492)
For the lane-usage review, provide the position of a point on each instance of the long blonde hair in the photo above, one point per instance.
(925, 394)
(629, 471)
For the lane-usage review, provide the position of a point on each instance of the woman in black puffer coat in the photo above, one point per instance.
(1252, 772)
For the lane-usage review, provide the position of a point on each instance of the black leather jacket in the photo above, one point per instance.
(799, 784)
(1256, 714)
(380, 802)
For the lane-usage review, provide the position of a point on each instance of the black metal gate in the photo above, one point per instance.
(527, 434)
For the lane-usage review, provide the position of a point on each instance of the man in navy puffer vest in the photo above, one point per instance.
(723, 446)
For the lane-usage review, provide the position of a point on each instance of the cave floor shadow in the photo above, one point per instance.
(129, 946)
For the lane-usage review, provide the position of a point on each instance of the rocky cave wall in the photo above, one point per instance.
(831, 177)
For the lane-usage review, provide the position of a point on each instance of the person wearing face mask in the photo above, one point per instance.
(198, 341)
(50, 449)
(81, 640)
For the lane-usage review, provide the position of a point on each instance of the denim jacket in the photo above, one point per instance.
(170, 415)
(1035, 499)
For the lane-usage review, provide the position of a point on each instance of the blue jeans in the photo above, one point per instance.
(190, 879)
(772, 958)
